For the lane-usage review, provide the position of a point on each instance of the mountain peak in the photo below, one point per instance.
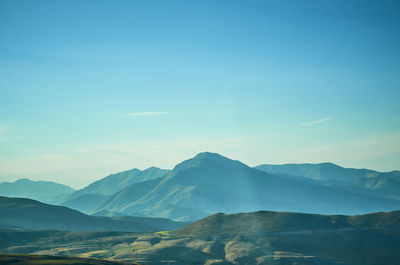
(24, 180)
(205, 158)
(152, 168)
(208, 155)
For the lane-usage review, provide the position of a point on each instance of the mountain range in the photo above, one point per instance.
(209, 183)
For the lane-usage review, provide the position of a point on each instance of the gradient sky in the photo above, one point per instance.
(93, 87)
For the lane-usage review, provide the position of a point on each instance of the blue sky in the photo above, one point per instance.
(93, 87)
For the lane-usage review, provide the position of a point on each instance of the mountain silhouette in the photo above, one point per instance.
(210, 183)
(95, 193)
(44, 191)
(384, 184)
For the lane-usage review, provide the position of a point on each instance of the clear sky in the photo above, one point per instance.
(88, 88)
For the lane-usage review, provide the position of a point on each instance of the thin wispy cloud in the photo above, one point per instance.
(147, 113)
(308, 123)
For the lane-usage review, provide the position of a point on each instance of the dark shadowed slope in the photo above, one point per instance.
(210, 183)
(295, 238)
(384, 184)
(30, 214)
(18, 259)
(39, 190)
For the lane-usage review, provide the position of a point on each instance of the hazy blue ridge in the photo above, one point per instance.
(127, 196)
(210, 183)
(85, 202)
(39, 190)
(383, 184)
(92, 196)
(116, 182)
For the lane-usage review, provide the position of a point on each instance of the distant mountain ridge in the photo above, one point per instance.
(39, 190)
(125, 197)
(319, 171)
(209, 183)
(116, 182)
(97, 192)
(385, 184)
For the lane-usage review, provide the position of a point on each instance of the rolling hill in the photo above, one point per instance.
(297, 238)
(256, 238)
(31, 214)
(267, 223)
